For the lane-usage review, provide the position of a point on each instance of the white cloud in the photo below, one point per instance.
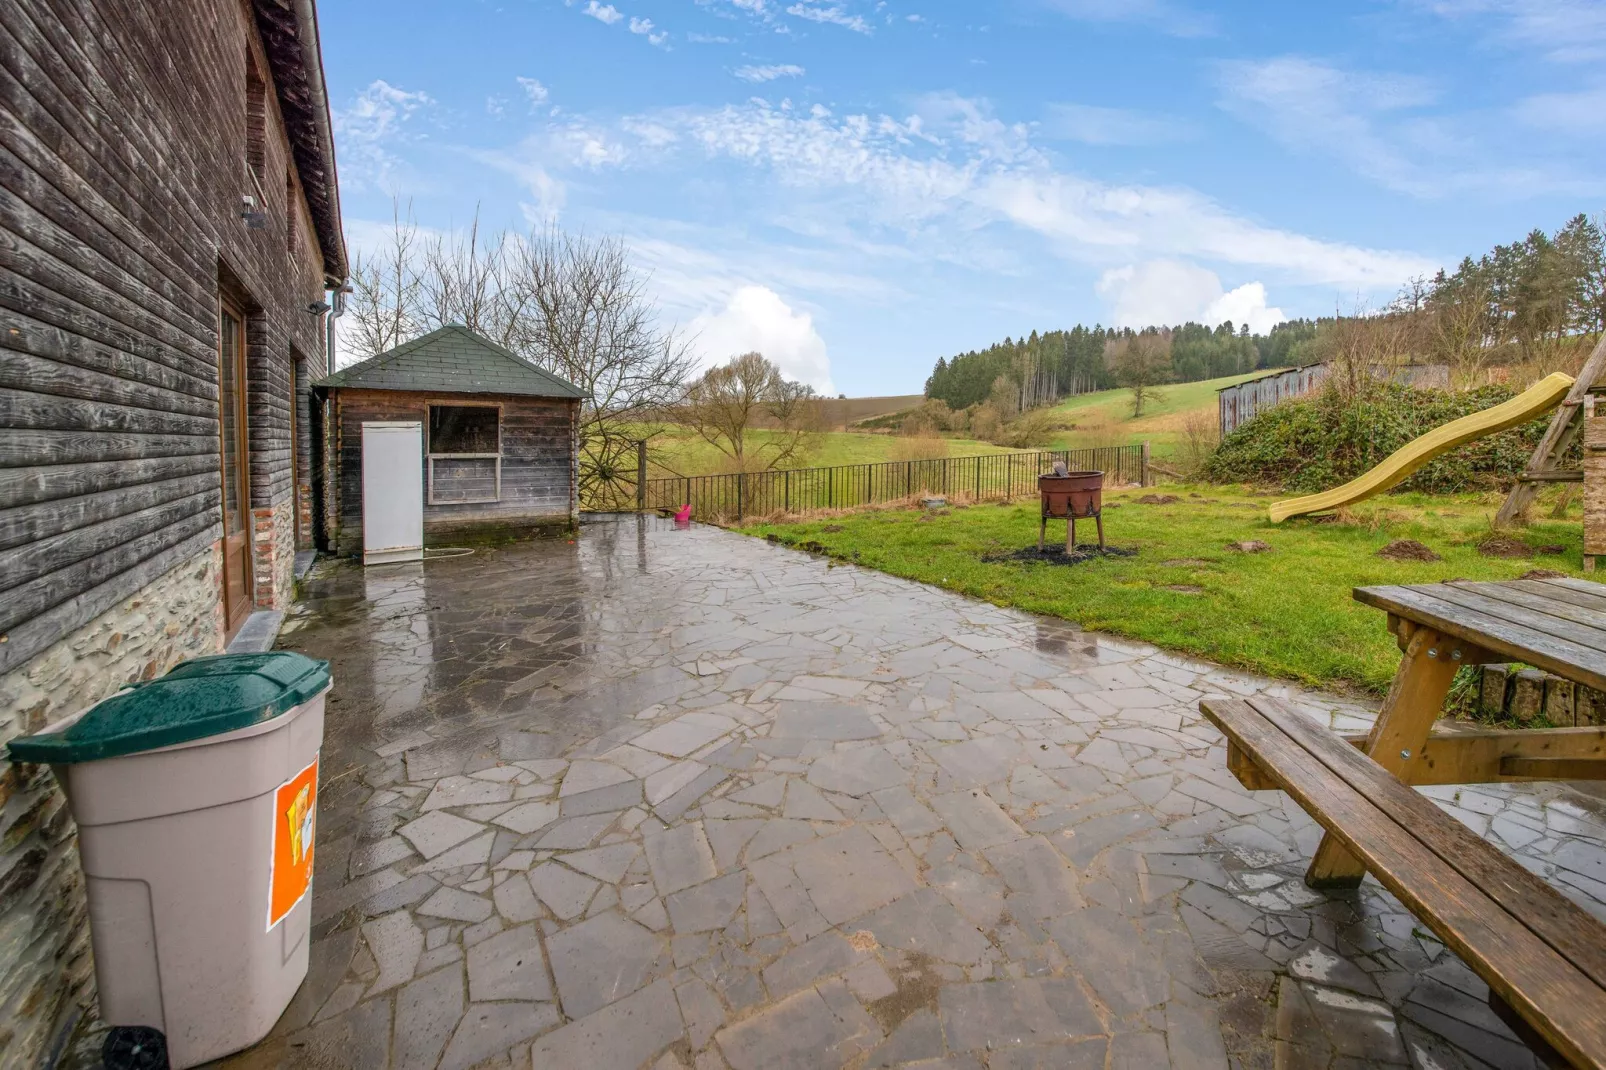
(833, 15)
(534, 90)
(368, 129)
(768, 73)
(956, 165)
(755, 318)
(1173, 19)
(1172, 292)
(1379, 126)
(603, 12)
(644, 28)
(1570, 114)
(1318, 107)
(1093, 125)
(709, 39)
(1565, 31)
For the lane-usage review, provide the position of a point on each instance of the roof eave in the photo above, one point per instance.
(289, 31)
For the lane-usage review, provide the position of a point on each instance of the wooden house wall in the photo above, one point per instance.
(537, 460)
(122, 165)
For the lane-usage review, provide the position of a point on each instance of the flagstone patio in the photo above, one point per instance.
(680, 798)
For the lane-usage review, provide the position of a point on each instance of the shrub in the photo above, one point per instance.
(1315, 443)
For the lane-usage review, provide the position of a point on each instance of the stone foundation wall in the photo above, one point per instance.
(46, 968)
(273, 554)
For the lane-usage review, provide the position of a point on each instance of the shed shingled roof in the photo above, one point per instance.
(452, 360)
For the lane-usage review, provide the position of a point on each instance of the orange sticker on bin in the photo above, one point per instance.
(295, 822)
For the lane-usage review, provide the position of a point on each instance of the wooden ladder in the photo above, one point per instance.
(1545, 464)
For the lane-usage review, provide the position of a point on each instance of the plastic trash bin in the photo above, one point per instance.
(195, 796)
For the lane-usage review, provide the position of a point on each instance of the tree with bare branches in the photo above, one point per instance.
(732, 400)
(1141, 363)
(570, 304)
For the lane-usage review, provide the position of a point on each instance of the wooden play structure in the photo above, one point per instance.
(1594, 484)
(1565, 426)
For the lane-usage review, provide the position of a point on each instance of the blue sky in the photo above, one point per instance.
(855, 187)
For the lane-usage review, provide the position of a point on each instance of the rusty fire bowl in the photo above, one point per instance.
(1074, 494)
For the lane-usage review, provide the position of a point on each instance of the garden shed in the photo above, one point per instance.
(499, 436)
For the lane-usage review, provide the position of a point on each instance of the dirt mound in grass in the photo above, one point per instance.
(831, 529)
(1501, 546)
(1250, 546)
(1185, 588)
(1408, 550)
(1542, 574)
(1157, 499)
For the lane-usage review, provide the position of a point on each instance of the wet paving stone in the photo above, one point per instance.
(683, 799)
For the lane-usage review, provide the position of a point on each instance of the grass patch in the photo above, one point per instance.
(1286, 613)
(1105, 418)
(680, 452)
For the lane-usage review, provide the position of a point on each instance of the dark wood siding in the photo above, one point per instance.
(122, 165)
(537, 460)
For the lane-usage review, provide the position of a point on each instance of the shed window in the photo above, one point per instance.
(465, 454)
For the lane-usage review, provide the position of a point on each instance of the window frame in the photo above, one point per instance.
(430, 456)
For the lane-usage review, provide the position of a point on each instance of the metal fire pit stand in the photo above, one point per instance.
(1070, 496)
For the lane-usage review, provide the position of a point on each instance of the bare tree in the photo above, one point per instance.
(462, 279)
(1141, 362)
(567, 303)
(386, 305)
(730, 401)
(576, 307)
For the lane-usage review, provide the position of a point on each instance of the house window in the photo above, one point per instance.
(465, 454)
(256, 122)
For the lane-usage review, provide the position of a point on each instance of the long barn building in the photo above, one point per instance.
(169, 235)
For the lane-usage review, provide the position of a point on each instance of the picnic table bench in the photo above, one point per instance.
(1543, 957)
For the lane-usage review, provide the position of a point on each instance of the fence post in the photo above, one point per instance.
(1143, 478)
(908, 478)
(830, 487)
(787, 507)
(741, 494)
(641, 475)
(977, 459)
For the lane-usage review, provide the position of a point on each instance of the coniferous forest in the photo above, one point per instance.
(1529, 302)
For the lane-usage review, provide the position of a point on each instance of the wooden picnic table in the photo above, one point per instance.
(1543, 957)
(1554, 624)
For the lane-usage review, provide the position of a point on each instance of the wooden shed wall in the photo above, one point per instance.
(122, 165)
(537, 460)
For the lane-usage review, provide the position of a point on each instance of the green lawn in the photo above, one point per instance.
(1285, 613)
(681, 452)
(1105, 418)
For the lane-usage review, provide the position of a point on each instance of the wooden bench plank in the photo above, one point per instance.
(1473, 756)
(1548, 987)
(1556, 919)
(1538, 620)
(1575, 661)
(1519, 594)
(1587, 592)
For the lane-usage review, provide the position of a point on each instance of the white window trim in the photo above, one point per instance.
(432, 456)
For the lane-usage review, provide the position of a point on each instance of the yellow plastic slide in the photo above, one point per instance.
(1543, 396)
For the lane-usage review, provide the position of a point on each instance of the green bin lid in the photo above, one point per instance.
(199, 698)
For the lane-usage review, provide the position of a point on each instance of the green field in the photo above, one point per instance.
(1105, 418)
(1286, 613)
(679, 452)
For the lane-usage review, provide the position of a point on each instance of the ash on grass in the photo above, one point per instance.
(1056, 555)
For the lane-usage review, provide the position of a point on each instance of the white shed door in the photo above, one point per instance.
(392, 492)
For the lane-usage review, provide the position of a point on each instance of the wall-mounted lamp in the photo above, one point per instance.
(255, 218)
(318, 308)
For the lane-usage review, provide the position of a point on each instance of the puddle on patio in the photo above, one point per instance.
(680, 798)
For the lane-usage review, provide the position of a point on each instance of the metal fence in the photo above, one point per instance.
(995, 476)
